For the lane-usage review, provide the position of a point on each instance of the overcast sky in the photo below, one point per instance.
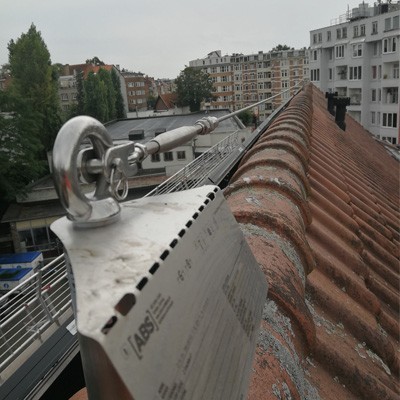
(160, 37)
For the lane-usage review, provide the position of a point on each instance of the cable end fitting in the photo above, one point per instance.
(208, 124)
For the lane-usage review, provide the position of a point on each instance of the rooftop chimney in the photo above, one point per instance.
(341, 103)
(331, 106)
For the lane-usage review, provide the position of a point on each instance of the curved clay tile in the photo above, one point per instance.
(334, 226)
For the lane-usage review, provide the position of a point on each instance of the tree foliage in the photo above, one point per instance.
(31, 114)
(119, 101)
(19, 162)
(34, 84)
(193, 86)
(246, 117)
(95, 97)
(102, 96)
(95, 61)
(280, 47)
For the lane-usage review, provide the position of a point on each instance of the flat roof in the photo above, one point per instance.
(119, 130)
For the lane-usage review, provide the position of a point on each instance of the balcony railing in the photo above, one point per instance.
(28, 310)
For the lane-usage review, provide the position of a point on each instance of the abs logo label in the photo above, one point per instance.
(141, 337)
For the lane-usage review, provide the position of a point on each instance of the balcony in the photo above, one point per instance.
(390, 95)
(341, 73)
(355, 97)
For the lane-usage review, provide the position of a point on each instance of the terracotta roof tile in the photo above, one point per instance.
(332, 198)
(166, 101)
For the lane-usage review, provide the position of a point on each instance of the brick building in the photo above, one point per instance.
(240, 80)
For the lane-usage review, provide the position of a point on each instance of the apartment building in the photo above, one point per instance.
(358, 57)
(139, 88)
(165, 86)
(240, 80)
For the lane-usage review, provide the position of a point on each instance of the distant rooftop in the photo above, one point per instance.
(120, 130)
(364, 10)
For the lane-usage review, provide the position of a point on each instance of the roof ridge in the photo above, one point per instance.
(268, 196)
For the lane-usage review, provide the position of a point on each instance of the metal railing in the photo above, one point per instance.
(28, 310)
(194, 174)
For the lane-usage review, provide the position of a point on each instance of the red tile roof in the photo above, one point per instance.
(320, 210)
(85, 68)
(166, 101)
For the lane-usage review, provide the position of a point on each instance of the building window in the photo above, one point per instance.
(315, 55)
(392, 95)
(396, 22)
(355, 73)
(330, 71)
(376, 49)
(373, 95)
(362, 30)
(181, 155)
(314, 38)
(339, 51)
(388, 24)
(38, 239)
(373, 122)
(315, 75)
(168, 156)
(355, 31)
(64, 96)
(344, 33)
(395, 71)
(338, 33)
(155, 157)
(389, 120)
(374, 27)
(328, 36)
(284, 84)
(374, 72)
(320, 37)
(389, 45)
(357, 50)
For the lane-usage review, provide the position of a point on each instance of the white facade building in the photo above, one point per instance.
(358, 57)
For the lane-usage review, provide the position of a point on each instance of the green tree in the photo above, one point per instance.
(105, 77)
(20, 163)
(280, 47)
(151, 101)
(30, 116)
(119, 101)
(95, 61)
(193, 86)
(95, 97)
(34, 85)
(80, 96)
(246, 117)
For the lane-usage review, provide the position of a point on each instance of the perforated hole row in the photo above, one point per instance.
(127, 302)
